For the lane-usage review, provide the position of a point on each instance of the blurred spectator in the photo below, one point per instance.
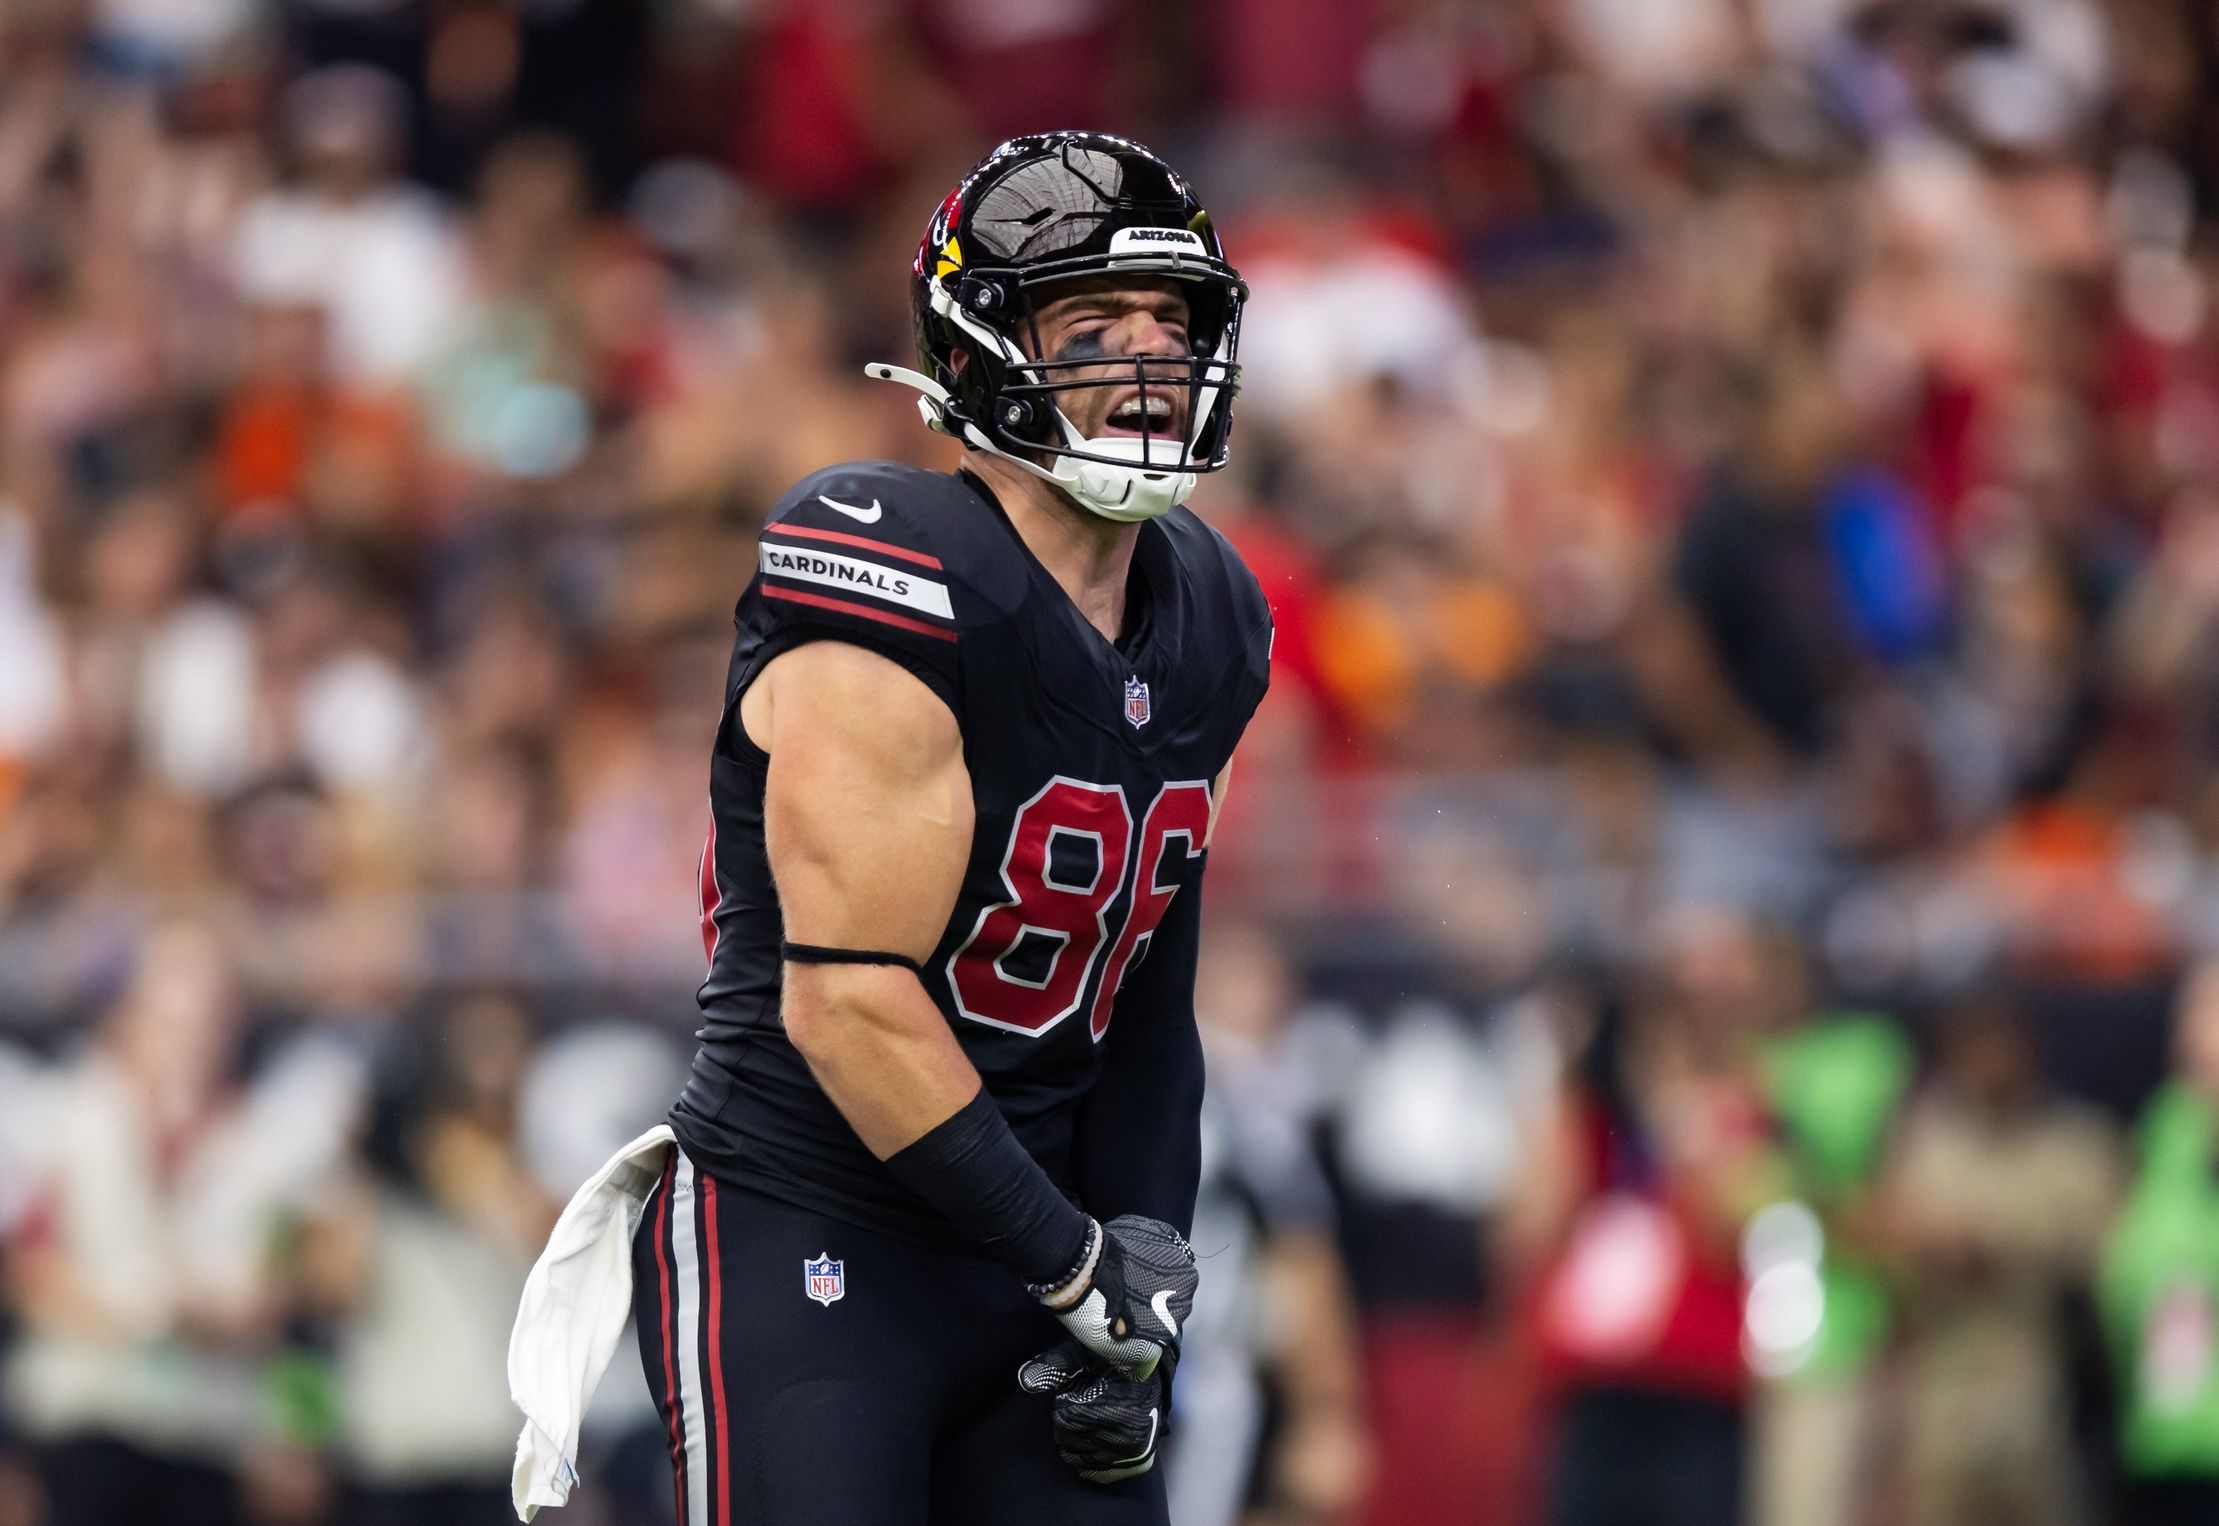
(1663, 1151)
(1820, 1309)
(2160, 1285)
(134, 1376)
(1994, 1210)
(1271, 1428)
(1425, 1094)
(419, 1262)
(348, 238)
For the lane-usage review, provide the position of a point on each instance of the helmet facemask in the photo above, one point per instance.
(1013, 401)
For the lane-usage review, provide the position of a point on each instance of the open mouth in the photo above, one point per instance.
(1151, 414)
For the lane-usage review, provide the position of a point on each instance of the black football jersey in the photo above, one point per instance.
(1091, 764)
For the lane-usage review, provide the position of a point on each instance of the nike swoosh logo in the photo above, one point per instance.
(1161, 1303)
(869, 516)
(1155, 1417)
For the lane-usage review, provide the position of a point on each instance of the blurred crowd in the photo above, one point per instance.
(1708, 995)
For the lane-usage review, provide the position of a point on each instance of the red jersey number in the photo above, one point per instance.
(1030, 959)
(1182, 814)
(1074, 916)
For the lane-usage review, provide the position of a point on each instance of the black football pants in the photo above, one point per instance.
(895, 1403)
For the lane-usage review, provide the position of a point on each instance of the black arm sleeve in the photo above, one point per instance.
(1139, 1142)
(971, 1167)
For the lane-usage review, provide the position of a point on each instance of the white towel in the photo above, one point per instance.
(575, 1304)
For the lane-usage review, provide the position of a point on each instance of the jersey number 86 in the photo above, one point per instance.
(1075, 917)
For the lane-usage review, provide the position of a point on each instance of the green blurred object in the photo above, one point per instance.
(1835, 1086)
(300, 1398)
(2159, 1290)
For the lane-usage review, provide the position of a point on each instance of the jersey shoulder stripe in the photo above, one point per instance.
(862, 612)
(862, 542)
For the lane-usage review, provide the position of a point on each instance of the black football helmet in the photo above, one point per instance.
(1049, 208)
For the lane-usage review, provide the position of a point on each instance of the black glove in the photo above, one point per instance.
(1128, 1311)
(1107, 1425)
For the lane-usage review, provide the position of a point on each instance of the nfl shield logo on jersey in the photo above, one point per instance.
(824, 1279)
(1136, 702)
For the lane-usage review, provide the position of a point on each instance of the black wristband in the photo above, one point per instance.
(972, 1169)
(818, 953)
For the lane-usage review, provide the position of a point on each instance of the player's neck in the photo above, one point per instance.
(1089, 557)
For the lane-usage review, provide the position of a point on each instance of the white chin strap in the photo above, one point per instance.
(1128, 490)
(1125, 493)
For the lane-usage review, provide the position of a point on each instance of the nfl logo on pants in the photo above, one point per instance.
(824, 1279)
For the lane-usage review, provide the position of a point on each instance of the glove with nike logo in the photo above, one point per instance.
(1131, 1296)
(1107, 1425)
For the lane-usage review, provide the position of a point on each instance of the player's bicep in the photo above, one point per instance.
(867, 804)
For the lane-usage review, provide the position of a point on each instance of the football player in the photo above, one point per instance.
(942, 1123)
